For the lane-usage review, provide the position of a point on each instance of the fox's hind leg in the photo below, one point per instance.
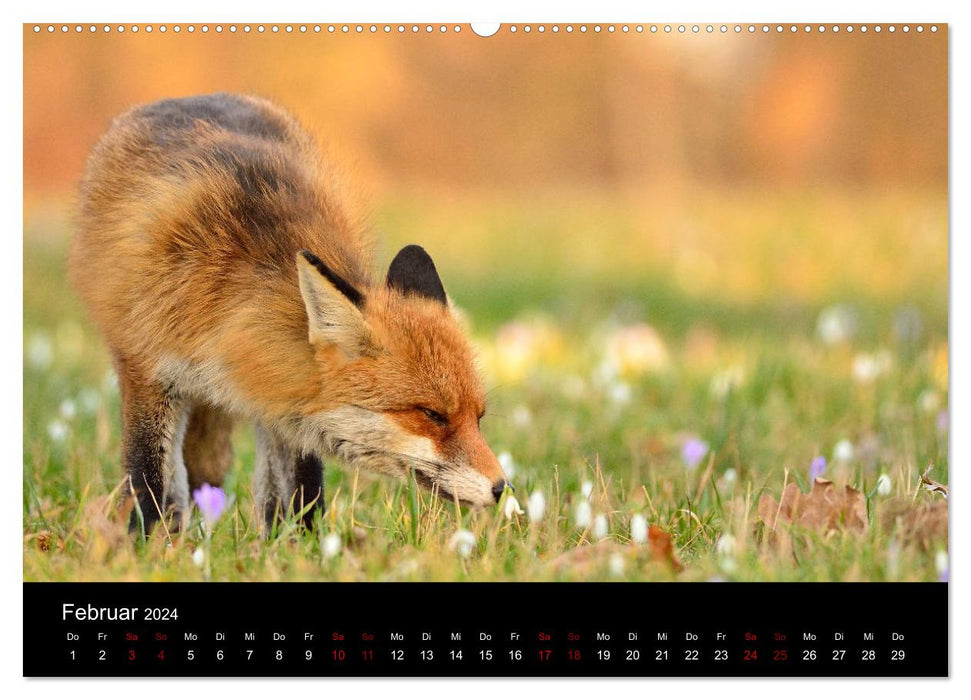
(286, 481)
(208, 446)
(153, 424)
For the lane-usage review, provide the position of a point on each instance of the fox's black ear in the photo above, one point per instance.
(413, 272)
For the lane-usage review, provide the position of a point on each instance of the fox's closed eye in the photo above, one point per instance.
(434, 416)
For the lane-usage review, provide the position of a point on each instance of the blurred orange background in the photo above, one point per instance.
(527, 111)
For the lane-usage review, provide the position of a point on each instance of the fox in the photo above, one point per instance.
(217, 255)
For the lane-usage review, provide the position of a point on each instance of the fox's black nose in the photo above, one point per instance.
(498, 488)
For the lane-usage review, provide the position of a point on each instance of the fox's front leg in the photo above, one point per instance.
(153, 425)
(286, 481)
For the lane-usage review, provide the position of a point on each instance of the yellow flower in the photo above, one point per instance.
(633, 350)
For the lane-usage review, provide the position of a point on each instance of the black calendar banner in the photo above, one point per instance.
(475, 629)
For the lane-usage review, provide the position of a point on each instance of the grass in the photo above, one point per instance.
(732, 287)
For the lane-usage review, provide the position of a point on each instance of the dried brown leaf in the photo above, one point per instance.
(662, 547)
(593, 558)
(824, 509)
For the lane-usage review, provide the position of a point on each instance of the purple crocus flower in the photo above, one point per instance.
(693, 451)
(816, 468)
(211, 501)
(942, 422)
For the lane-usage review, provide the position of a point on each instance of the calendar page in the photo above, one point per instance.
(544, 349)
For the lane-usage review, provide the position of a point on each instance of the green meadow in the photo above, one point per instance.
(656, 363)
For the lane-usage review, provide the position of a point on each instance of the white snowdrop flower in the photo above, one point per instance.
(199, 557)
(462, 542)
(725, 546)
(617, 564)
(508, 465)
(725, 382)
(883, 485)
(586, 488)
(867, 368)
(40, 351)
(583, 514)
(522, 417)
(940, 562)
(600, 527)
(864, 369)
(89, 400)
(536, 506)
(836, 324)
(511, 507)
(843, 451)
(57, 430)
(620, 393)
(728, 565)
(638, 529)
(730, 476)
(67, 409)
(330, 545)
(929, 401)
(606, 372)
